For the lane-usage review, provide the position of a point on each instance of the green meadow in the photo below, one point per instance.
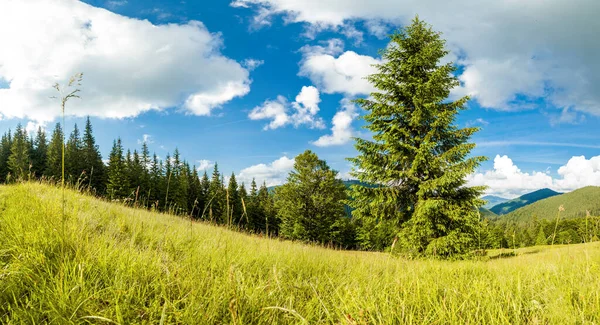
(103, 263)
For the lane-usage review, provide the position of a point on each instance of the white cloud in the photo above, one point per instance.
(32, 127)
(273, 174)
(204, 164)
(305, 109)
(510, 49)
(343, 74)
(341, 132)
(274, 110)
(146, 138)
(506, 179)
(252, 64)
(112, 4)
(130, 66)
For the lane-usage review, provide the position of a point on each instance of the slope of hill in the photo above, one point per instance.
(575, 204)
(493, 200)
(485, 213)
(103, 263)
(529, 198)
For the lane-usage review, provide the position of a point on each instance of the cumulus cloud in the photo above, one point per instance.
(274, 173)
(274, 110)
(342, 74)
(341, 132)
(252, 64)
(204, 164)
(506, 179)
(511, 50)
(303, 111)
(130, 66)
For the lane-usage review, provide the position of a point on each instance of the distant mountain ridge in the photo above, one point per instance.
(575, 204)
(493, 200)
(521, 201)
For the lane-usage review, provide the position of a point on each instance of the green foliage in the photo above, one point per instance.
(524, 200)
(54, 167)
(113, 264)
(418, 156)
(92, 164)
(19, 160)
(5, 149)
(39, 156)
(310, 204)
(118, 182)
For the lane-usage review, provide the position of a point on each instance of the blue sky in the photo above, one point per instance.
(534, 96)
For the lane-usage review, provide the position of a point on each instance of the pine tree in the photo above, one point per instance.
(156, 179)
(267, 211)
(5, 149)
(244, 201)
(74, 157)
(311, 202)
(541, 238)
(117, 186)
(54, 167)
(92, 162)
(146, 164)
(39, 155)
(204, 195)
(19, 160)
(256, 220)
(418, 156)
(194, 193)
(235, 202)
(216, 196)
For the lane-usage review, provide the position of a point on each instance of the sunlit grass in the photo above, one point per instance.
(123, 265)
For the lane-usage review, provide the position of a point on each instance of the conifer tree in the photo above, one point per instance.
(311, 202)
(256, 220)
(74, 157)
(54, 165)
(117, 186)
(243, 193)
(216, 196)
(5, 149)
(194, 192)
(19, 160)
(267, 211)
(156, 176)
(418, 156)
(146, 164)
(235, 202)
(204, 195)
(39, 156)
(92, 159)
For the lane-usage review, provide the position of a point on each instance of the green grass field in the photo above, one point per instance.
(105, 263)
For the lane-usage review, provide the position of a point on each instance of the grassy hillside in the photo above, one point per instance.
(575, 204)
(485, 213)
(521, 201)
(106, 264)
(493, 200)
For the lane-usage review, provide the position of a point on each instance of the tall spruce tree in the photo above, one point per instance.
(39, 156)
(54, 165)
(235, 202)
(19, 160)
(92, 162)
(74, 158)
(216, 196)
(310, 203)
(418, 157)
(204, 193)
(5, 149)
(118, 185)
